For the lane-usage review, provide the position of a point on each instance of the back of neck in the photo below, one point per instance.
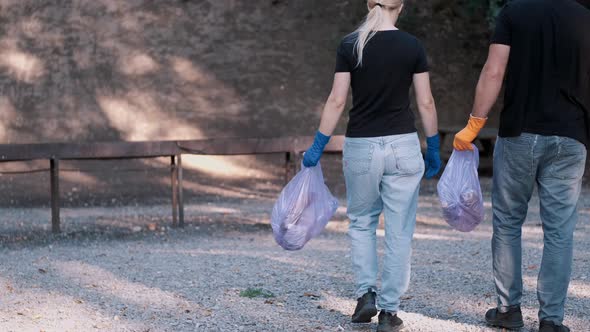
(386, 27)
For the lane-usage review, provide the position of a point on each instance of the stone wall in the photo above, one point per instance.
(95, 70)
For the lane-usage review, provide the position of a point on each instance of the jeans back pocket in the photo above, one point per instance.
(408, 158)
(570, 160)
(357, 158)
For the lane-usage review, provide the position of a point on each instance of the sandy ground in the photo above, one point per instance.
(125, 269)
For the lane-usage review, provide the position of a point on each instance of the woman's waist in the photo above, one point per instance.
(400, 138)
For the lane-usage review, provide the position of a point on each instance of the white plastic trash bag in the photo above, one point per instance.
(459, 191)
(303, 209)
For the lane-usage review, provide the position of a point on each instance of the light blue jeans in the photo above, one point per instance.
(556, 164)
(382, 175)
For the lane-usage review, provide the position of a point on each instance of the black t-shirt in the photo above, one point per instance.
(548, 76)
(381, 86)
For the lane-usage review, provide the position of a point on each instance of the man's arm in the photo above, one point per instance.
(486, 94)
(490, 80)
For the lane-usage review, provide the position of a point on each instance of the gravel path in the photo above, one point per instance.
(123, 269)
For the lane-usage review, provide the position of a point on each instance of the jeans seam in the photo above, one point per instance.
(532, 170)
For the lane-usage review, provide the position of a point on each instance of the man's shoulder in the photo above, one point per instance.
(584, 11)
(528, 7)
(525, 5)
(576, 13)
(525, 10)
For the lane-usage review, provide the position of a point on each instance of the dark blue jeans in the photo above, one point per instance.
(556, 164)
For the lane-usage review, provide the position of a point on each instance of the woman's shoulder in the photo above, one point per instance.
(350, 39)
(412, 41)
(409, 36)
(348, 42)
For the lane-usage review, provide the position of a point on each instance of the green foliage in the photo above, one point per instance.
(493, 8)
(256, 292)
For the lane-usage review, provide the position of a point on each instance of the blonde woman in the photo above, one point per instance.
(382, 160)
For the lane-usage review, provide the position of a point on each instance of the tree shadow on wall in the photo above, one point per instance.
(105, 70)
(140, 70)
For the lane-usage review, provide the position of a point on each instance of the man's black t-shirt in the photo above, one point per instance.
(381, 85)
(548, 74)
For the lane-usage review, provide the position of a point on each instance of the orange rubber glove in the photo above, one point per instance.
(465, 137)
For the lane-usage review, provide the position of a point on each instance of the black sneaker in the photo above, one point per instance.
(389, 322)
(365, 308)
(512, 319)
(549, 326)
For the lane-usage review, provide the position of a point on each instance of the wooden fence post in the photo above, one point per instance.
(173, 179)
(54, 169)
(180, 193)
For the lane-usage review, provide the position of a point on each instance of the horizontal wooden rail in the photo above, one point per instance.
(130, 150)
(292, 147)
(245, 146)
(99, 150)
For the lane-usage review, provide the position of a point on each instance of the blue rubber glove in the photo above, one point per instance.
(432, 160)
(314, 153)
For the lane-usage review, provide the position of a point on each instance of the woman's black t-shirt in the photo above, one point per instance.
(381, 85)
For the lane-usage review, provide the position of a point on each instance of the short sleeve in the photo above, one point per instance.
(343, 60)
(421, 60)
(503, 32)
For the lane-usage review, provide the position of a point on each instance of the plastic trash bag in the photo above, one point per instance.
(303, 209)
(459, 191)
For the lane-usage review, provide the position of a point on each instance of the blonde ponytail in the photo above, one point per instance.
(376, 17)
